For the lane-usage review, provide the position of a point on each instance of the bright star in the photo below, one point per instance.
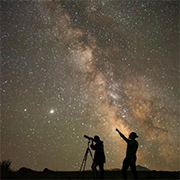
(52, 111)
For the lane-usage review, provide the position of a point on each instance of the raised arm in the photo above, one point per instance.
(122, 135)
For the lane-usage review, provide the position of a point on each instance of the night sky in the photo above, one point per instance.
(76, 67)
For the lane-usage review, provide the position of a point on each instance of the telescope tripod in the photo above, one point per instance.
(85, 158)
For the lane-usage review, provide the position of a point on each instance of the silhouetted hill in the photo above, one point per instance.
(138, 168)
(141, 168)
(47, 170)
(25, 170)
(115, 169)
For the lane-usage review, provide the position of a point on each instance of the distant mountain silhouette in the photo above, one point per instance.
(138, 168)
(141, 168)
(28, 170)
(25, 170)
(115, 169)
(47, 170)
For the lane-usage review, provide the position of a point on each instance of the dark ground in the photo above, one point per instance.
(47, 174)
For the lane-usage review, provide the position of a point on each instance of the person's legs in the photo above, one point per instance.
(93, 166)
(101, 168)
(126, 164)
(133, 169)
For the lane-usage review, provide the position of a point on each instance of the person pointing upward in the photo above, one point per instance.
(130, 159)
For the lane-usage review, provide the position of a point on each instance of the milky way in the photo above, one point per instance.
(71, 68)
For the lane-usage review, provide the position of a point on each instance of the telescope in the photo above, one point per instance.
(89, 138)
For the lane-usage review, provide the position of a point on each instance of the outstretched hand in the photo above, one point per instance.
(122, 135)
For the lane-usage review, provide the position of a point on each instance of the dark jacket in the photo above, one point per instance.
(99, 156)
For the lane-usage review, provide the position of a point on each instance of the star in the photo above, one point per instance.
(51, 111)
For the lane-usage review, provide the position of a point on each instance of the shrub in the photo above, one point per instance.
(5, 166)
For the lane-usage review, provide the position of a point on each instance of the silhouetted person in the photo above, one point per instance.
(130, 159)
(99, 157)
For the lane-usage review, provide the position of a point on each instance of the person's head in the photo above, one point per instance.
(133, 135)
(96, 138)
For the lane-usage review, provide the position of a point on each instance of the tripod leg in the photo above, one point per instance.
(84, 160)
(83, 164)
(90, 154)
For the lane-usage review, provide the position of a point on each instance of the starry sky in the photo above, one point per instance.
(75, 67)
